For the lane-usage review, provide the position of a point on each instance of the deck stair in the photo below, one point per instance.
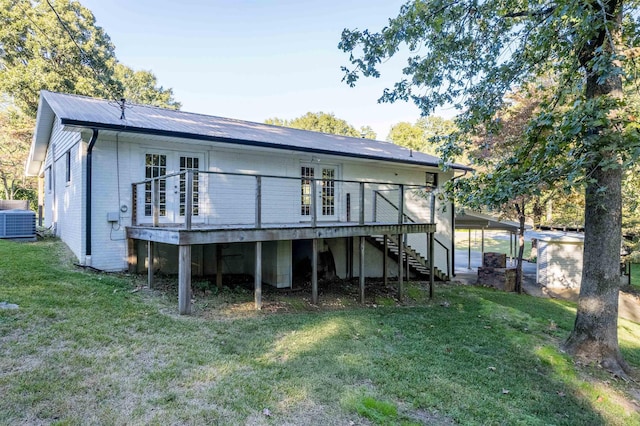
(417, 263)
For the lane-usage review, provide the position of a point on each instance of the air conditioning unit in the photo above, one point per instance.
(17, 224)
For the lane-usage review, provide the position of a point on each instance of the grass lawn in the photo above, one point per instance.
(87, 348)
(494, 241)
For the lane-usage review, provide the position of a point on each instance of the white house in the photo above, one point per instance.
(131, 186)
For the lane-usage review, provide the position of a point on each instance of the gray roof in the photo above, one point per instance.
(84, 112)
(466, 219)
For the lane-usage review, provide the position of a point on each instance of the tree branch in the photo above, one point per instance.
(545, 12)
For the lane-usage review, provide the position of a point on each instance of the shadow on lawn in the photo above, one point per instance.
(464, 359)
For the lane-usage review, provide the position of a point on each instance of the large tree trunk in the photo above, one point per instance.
(521, 229)
(595, 333)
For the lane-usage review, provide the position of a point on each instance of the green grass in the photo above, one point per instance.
(494, 241)
(635, 274)
(84, 348)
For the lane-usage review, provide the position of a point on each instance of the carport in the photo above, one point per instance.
(470, 220)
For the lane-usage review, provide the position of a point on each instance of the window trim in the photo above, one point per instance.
(67, 162)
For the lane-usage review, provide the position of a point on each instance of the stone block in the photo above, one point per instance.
(499, 278)
(494, 260)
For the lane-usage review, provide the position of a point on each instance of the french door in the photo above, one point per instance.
(325, 195)
(172, 191)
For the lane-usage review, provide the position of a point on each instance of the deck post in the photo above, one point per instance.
(132, 255)
(258, 202)
(258, 276)
(312, 200)
(155, 201)
(314, 271)
(150, 256)
(184, 280)
(469, 251)
(361, 269)
(385, 261)
(188, 199)
(361, 203)
(406, 243)
(134, 204)
(400, 203)
(400, 268)
(375, 206)
(431, 265)
(219, 266)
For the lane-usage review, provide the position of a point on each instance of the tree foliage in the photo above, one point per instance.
(426, 135)
(38, 52)
(141, 87)
(471, 54)
(15, 139)
(56, 45)
(325, 123)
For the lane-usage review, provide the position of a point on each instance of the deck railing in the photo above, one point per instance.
(200, 198)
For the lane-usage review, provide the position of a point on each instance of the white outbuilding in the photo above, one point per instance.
(559, 262)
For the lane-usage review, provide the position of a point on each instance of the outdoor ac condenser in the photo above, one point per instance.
(17, 224)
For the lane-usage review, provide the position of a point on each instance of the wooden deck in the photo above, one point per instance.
(179, 235)
(209, 234)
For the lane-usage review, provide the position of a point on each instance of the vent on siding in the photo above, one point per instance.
(17, 224)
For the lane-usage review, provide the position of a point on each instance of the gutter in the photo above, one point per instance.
(246, 142)
(92, 142)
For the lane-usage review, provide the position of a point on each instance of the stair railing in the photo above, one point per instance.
(381, 202)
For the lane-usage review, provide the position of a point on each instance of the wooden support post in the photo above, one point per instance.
(385, 261)
(134, 204)
(469, 252)
(482, 248)
(258, 276)
(351, 262)
(406, 243)
(400, 268)
(150, 257)
(155, 201)
(401, 204)
(188, 199)
(361, 270)
(312, 199)
(375, 206)
(184, 280)
(219, 266)
(314, 271)
(132, 255)
(361, 221)
(258, 202)
(431, 264)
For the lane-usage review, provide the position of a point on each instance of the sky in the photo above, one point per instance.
(253, 60)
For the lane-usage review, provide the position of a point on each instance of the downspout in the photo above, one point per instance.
(92, 142)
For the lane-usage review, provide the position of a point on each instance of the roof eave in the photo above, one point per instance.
(81, 124)
(40, 142)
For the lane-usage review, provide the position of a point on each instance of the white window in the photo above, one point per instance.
(67, 162)
(325, 197)
(155, 165)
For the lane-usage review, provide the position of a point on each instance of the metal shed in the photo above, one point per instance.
(560, 255)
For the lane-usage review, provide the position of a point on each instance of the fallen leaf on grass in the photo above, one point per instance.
(505, 391)
(266, 412)
(599, 399)
(560, 393)
(491, 368)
